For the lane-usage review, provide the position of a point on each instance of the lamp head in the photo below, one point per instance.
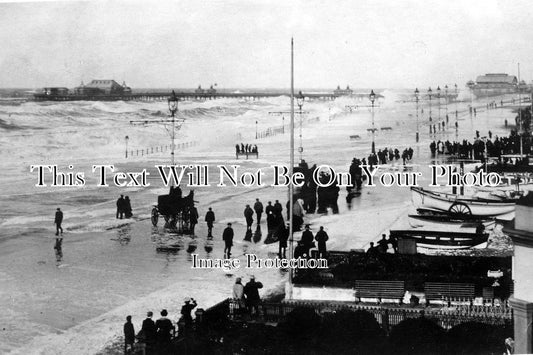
(372, 96)
(173, 103)
(300, 99)
(438, 90)
(417, 93)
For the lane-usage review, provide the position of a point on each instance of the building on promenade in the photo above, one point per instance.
(522, 301)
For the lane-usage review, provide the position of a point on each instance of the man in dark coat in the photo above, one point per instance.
(258, 208)
(129, 335)
(307, 241)
(58, 220)
(321, 238)
(227, 236)
(120, 207)
(283, 236)
(148, 331)
(251, 290)
(249, 215)
(383, 244)
(269, 210)
(193, 218)
(210, 218)
(278, 208)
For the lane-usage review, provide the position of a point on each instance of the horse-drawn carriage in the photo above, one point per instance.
(175, 209)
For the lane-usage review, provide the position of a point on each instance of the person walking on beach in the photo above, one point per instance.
(120, 207)
(227, 236)
(251, 290)
(258, 207)
(129, 336)
(209, 219)
(193, 218)
(58, 220)
(249, 215)
(321, 238)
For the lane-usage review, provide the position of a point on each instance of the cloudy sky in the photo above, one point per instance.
(243, 43)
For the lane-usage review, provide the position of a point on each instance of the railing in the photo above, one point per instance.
(386, 316)
(157, 149)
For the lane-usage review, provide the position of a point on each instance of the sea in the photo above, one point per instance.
(109, 268)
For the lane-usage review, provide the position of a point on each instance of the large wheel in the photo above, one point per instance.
(459, 208)
(155, 216)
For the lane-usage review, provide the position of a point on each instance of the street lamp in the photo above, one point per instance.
(429, 94)
(416, 99)
(438, 97)
(127, 138)
(300, 102)
(283, 124)
(255, 129)
(372, 98)
(173, 108)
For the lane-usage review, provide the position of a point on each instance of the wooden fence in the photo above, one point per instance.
(140, 152)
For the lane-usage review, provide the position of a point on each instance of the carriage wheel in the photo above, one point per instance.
(155, 216)
(460, 208)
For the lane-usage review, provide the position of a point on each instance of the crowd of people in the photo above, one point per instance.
(388, 155)
(476, 150)
(156, 337)
(246, 149)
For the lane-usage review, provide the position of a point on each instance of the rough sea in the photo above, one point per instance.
(110, 268)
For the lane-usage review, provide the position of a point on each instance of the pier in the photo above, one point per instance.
(190, 95)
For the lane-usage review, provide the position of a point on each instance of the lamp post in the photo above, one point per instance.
(416, 99)
(372, 98)
(438, 97)
(283, 124)
(173, 108)
(456, 113)
(255, 129)
(429, 95)
(446, 102)
(300, 102)
(126, 138)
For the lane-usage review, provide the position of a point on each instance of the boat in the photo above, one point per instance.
(446, 220)
(460, 205)
(440, 239)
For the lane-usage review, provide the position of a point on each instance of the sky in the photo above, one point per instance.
(246, 44)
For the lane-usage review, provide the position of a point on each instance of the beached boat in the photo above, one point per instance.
(460, 205)
(440, 239)
(447, 220)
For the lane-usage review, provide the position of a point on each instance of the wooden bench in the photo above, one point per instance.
(379, 289)
(246, 154)
(447, 291)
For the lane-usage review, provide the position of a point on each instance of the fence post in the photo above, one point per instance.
(385, 320)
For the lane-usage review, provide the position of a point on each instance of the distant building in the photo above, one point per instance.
(199, 90)
(494, 84)
(211, 90)
(102, 87)
(341, 92)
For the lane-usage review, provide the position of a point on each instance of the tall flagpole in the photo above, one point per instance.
(519, 112)
(291, 170)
